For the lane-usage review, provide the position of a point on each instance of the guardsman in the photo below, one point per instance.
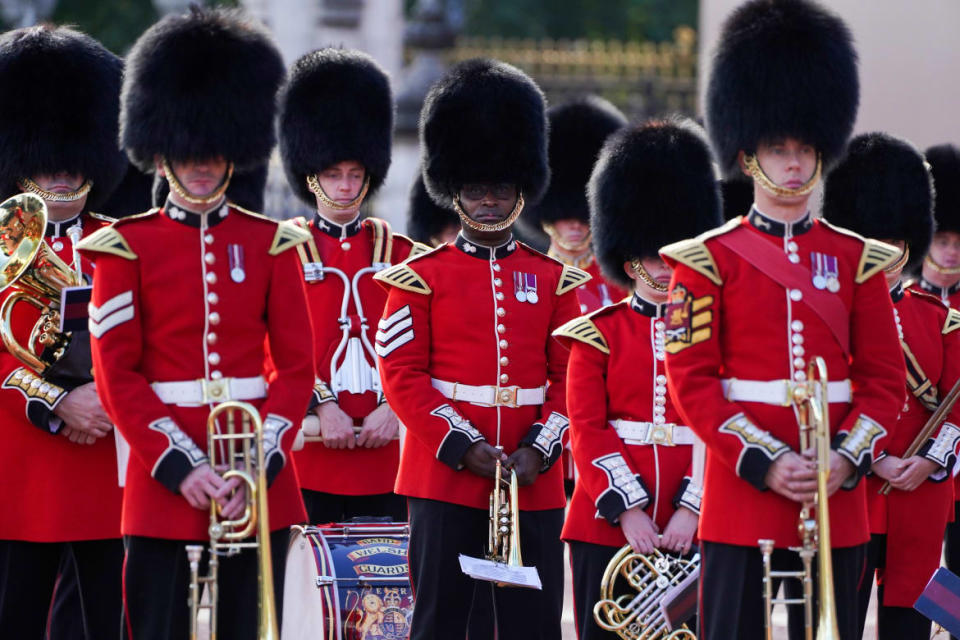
(186, 300)
(940, 273)
(59, 458)
(752, 303)
(467, 359)
(336, 127)
(653, 184)
(882, 189)
(426, 222)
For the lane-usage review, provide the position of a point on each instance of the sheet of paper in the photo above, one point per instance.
(482, 569)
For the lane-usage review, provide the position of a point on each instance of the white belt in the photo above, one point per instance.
(777, 392)
(668, 435)
(200, 392)
(489, 395)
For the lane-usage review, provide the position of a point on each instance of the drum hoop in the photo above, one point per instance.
(322, 556)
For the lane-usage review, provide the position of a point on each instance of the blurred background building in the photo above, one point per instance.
(649, 57)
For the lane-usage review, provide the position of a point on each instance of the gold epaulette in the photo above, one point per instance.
(876, 256)
(417, 249)
(101, 217)
(288, 235)
(107, 240)
(571, 278)
(585, 331)
(952, 323)
(694, 253)
(403, 277)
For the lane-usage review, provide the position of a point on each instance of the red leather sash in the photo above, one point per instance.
(773, 263)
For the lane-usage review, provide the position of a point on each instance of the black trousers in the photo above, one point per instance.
(28, 575)
(157, 580)
(440, 532)
(66, 612)
(893, 623)
(731, 591)
(330, 507)
(953, 544)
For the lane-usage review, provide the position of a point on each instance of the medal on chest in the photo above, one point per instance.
(826, 272)
(235, 252)
(525, 287)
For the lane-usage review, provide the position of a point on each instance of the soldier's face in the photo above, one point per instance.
(341, 183)
(488, 203)
(200, 177)
(788, 162)
(571, 234)
(945, 249)
(61, 182)
(658, 271)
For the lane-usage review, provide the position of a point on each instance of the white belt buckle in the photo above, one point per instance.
(506, 397)
(788, 393)
(215, 390)
(661, 434)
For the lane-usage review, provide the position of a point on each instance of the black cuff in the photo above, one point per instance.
(547, 439)
(321, 395)
(942, 450)
(461, 436)
(857, 447)
(753, 467)
(180, 458)
(274, 426)
(689, 495)
(75, 366)
(42, 396)
(40, 414)
(760, 449)
(858, 471)
(612, 503)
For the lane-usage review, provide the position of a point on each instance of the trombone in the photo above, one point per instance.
(242, 440)
(813, 412)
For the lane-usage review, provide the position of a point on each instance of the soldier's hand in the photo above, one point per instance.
(75, 435)
(793, 476)
(481, 459)
(232, 507)
(200, 485)
(527, 462)
(379, 428)
(840, 470)
(639, 530)
(81, 410)
(336, 427)
(887, 467)
(913, 472)
(679, 532)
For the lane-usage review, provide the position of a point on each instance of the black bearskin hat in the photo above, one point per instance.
(484, 121)
(782, 68)
(132, 196)
(578, 130)
(336, 106)
(61, 97)
(200, 85)
(944, 162)
(882, 189)
(246, 189)
(737, 193)
(653, 184)
(425, 220)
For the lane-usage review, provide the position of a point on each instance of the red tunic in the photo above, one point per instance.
(914, 521)
(55, 490)
(616, 372)
(184, 297)
(355, 251)
(469, 315)
(729, 321)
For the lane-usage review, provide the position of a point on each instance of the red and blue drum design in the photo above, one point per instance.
(348, 582)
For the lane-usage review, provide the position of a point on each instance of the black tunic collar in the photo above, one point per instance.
(896, 293)
(647, 308)
(339, 231)
(59, 229)
(941, 292)
(773, 227)
(194, 218)
(485, 253)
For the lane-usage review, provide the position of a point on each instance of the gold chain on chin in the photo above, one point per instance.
(314, 186)
(901, 261)
(71, 196)
(638, 269)
(186, 196)
(487, 228)
(942, 270)
(756, 171)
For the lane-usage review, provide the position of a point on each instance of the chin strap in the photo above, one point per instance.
(756, 171)
(313, 184)
(186, 196)
(479, 226)
(942, 270)
(30, 186)
(638, 269)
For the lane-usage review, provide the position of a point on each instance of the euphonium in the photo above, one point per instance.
(239, 446)
(28, 265)
(636, 614)
(504, 540)
(813, 413)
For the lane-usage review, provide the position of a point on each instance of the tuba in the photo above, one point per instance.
(37, 276)
(637, 614)
(240, 447)
(813, 412)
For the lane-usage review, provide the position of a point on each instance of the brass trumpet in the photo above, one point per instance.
(637, 615)
(504, 539)
(243, 431)
(813, 412)
(38, 276)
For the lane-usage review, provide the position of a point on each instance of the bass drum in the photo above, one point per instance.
(348, 582)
